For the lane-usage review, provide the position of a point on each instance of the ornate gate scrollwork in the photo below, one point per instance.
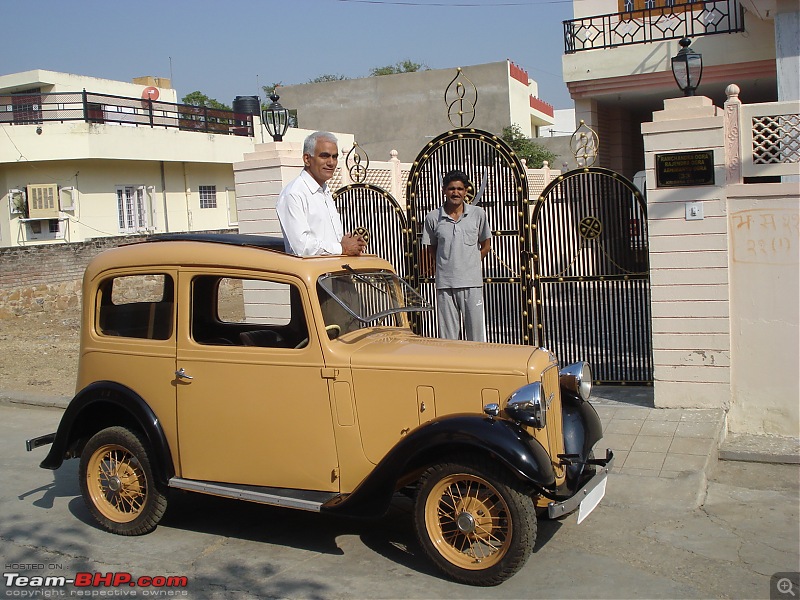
(372, 212)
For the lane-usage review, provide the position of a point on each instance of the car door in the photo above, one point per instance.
(252, 414)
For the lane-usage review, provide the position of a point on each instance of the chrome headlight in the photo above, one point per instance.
(527, 406)
(577, 380)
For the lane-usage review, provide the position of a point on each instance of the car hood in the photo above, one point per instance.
(393, 350)
(400, 381)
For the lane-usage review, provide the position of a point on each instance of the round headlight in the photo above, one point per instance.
(577, 379)
(526, 406)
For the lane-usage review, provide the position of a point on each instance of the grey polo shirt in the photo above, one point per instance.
(458, 255)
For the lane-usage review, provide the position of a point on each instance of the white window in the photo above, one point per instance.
(208, 196)
(233, 214)
(131, 208)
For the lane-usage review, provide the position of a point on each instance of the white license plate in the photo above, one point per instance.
(591, 501)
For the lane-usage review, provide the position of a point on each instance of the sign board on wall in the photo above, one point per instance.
(682, 169)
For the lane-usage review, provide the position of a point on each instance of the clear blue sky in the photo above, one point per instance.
(229, 48)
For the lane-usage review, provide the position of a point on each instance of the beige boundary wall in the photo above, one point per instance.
(725, 287)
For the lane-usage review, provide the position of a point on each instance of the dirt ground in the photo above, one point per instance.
(39, 353)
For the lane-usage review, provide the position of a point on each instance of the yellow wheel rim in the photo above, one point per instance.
(468, 522)
(117, 483)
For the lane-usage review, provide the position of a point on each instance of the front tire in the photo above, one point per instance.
(474, 521)
(118, 485)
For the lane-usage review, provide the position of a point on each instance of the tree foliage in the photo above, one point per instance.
(534, 154)
(328, 77)
(404, 66)
(198, 98)
(270, 89)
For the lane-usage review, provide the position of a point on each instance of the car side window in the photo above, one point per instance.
(228, 311)
(136, 306)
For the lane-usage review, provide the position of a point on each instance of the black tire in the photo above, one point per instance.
(474, 521)
(118, 485)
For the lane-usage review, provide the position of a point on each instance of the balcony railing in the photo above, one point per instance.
(35, 108)
(652, 25)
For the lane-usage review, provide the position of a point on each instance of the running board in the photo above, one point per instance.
(291, 498)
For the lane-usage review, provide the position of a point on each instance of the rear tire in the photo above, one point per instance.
(474, 521)
(117, 482)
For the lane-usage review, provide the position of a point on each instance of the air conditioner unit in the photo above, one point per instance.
(43, 201)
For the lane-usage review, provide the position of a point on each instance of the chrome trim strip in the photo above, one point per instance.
(243, 494)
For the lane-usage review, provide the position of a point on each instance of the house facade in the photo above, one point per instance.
(405, 111)
(617, 61)
(82, 157)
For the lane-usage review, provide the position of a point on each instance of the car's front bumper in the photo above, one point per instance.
(590, 494)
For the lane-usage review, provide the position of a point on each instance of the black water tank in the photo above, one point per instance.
(247, 105)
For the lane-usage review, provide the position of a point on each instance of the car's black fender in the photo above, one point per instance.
(505, 441)
(582, 430)
(104, 404)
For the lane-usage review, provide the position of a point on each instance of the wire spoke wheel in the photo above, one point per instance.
(468, 521)
(474, 522)
(117, 482)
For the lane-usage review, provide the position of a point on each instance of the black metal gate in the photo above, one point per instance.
(592, 278)
(362, 205)
(498, 184)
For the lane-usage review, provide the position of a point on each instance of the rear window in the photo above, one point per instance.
(137, 306)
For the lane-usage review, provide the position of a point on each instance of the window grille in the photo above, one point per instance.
(208, 196)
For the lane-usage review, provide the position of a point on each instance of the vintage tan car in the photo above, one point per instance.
(221, 365)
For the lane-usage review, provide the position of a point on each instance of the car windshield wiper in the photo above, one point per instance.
(359, 277)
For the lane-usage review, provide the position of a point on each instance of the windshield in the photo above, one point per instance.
(371, 297)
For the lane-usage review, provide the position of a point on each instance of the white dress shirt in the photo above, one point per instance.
(308, 217)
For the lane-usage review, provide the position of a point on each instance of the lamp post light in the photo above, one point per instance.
(687, 68)
(276, 118)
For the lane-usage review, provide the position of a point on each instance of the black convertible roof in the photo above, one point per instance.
(234, 239)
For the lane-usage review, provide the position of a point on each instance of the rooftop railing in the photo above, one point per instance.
(653, 24)
(35, 108)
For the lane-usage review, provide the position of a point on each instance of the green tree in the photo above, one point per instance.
(269, 89)
(328, 77)
(198, 98)
(533, 153)
(404, 66)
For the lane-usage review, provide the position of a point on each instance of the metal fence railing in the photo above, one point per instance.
(653, 24)
(33, 108)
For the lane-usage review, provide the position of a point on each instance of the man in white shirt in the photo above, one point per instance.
(308, 217)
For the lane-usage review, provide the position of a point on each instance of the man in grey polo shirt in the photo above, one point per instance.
(457, 237)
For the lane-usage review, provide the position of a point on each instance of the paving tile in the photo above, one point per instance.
(701, 415)
(617, 441)
(651, 443)
(619, 457)
(684, 462)
(624, 426)
(665, 414)
(662, 428)
(644, 460)
(697, 446)
(640, 472)
(697, 430)
(632, 413)
(670, 474)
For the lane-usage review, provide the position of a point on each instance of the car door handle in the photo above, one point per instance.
(181, 374)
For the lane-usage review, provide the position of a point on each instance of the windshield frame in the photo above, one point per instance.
(405, 291)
